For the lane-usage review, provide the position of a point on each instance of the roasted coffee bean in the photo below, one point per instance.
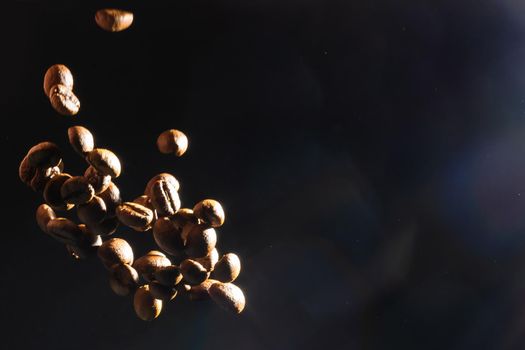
(228, 268)
(113, 20)
(57, 74)
(145, 201)
(123, 279)
(63, 100)
(228, 296)
(163, 176)
(162, 292)
(172, 142)
(209, 261)
(105, 228)
(168, 275)
(201, 241)
(147, 265)
(93, 211)
(42, 176)
(200, 292)
(87, 247)
(210, 212)
(81, 139)
(52, 194)
(64, 231)
(193, 272)
(168, 236)
(146, 306)
(105, 161)
(44, 214)
(165, 198)
(111, 196)
(134, 215)
(115, 251)
(77, 190)
(44, 155)
(99, 182)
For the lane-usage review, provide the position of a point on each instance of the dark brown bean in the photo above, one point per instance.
(44, 214)
(99, 182)
(228, 296)
(113, 20)
(115, 251)
(201, 241)
(105, 161)
(106, 227)
(228, 268)
(44, 155)
(123, 279)
(162, 292)
(168, 236)
(172, 141)
(42, 176)
(168, 275)
(63, 100)
(200, 292)
(81, 139)
(64, 231)
(57, 74)
(146, 306)
(149, 263)
(92, 212)
(111, 196)
(77, 190)
(209, 261)
(134, 215)
(165, 198)
(210, 212)
(193, 272)
(52, 194)
(163, 176)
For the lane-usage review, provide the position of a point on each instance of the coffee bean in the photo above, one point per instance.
(148, 264)
(44, 214)
(26, 171)
(193, 272)
(210, 211)
(77, 190)
(134, 215)
(106, 227)
(228, 268)
(228, 296)
(81, 139)
(162, 292)
(165, 198)
(92, 212)
(115, 251)
(64, 231)
(163, 176)
(168, 236)
(172, 141)
(99, 182)
(42, 176)
(63, 100)
(201, 241)
(113, 20)
(57, 74)
(44, 155)
(52, 194)
(105, 161)
(183, 217)
(123, 279)
(146, 306)
(200, 292)
(209, 261)
(111, 196)
(168, 275)
(87, 247)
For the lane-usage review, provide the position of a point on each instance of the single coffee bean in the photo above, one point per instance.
(123, 279)
(209, 261)
(77, 190)
(52, 194)
(64, 231)
(168, 236)
(113, 20)
(63, 100)
(134, 215)
(111, 196)
(162, 292)
(105, 161)
(44, 214)
(148, 264)
(105, 228)
(57, 74)
(146, 306)
(200, 292)
(163, 176)
(115, 251)
(81, 139)
(42, 176)
(228, 268)
(172, 142)
(210, 211)
(168, 275)
(165, 198)
(201, 241)
(93, 211)
(99, 182)
(44, 155)
(193, 272)
(228, 296)
(145, 201)
(87, 247)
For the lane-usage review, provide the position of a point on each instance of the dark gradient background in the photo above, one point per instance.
(370, 156)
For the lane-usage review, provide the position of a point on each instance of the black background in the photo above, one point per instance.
(369, 156)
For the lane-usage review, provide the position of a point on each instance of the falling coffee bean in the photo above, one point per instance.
(57, 74)
(64, 231)
(113, 20)
(52, 192)
(42, 176)
(193, 272)
(134, 215)
(115, 251)
(165, 198)
(168, 236)
(146, 306)
(44, 214)
(148, 264)
(81, 139)
(123, 279)
(200, 292)
(228, 268)
(172, 142)
(210, 211)
(99, 182)
(93, 211)
(201, 241)
(63, 100)
(44, 155)
(105, 162)
(111, 196)
(168, 275)
(228, 296)
(77, 190)
(209, 261)
(163, 176)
